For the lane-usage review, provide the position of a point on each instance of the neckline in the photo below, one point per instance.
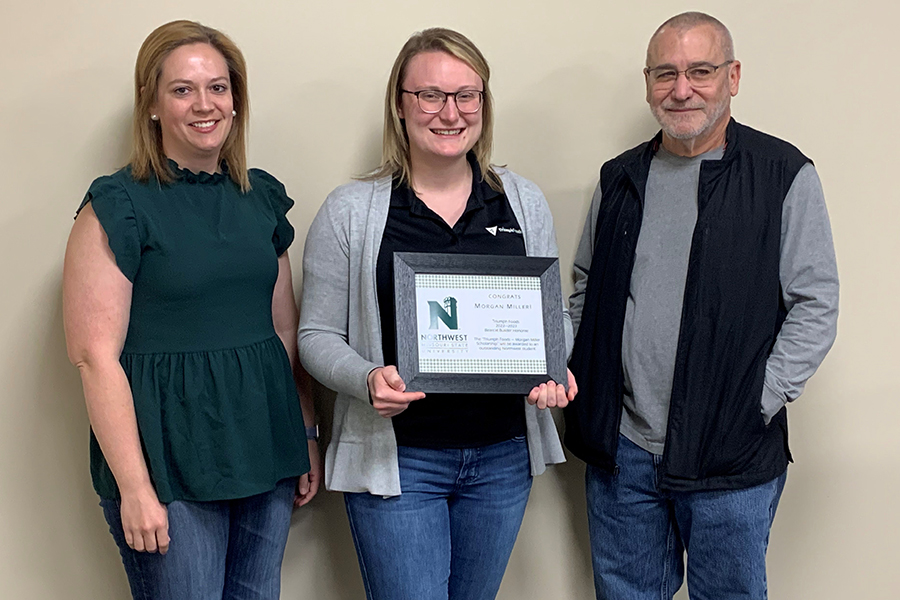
(712, 154)
(202, 177)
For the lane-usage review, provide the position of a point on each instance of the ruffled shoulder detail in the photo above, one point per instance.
(115, 211)
(265, 184)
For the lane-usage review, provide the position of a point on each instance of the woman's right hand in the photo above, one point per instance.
(145, 521)
(386, 390)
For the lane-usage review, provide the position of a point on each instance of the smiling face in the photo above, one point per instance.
(446, 135)
(194, 105)
(693, 117)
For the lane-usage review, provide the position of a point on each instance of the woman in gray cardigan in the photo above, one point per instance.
(463, 463)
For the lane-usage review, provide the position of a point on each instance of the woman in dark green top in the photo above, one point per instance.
(180, 316)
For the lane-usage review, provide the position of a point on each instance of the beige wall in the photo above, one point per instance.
(569, 96)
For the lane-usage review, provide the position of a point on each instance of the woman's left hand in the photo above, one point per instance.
(309, 482)
(550, 394)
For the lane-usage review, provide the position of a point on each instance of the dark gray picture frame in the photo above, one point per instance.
(408, 264)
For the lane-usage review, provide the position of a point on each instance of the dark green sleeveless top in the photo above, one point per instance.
(217, 410)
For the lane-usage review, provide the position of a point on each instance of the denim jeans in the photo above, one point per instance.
(223, 550)
(450, 533)
(639, 534)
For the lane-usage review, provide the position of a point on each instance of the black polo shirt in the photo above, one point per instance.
(449, 420)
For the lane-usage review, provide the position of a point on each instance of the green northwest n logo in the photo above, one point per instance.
(446, 313)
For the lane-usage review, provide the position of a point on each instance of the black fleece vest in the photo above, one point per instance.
(733, 310)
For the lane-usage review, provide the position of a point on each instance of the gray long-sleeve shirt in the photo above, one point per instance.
(808, 274)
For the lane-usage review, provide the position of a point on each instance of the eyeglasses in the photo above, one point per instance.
(698, 74)
(432, 101)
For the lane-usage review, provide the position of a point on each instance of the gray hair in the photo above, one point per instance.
(689, 20)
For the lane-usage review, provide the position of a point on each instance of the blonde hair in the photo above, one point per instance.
(395, 160)
(147, 156)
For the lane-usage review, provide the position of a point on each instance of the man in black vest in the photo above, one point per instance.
(706, 295)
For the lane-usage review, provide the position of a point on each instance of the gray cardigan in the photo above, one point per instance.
(340, 328)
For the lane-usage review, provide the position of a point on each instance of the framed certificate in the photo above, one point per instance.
(471, 323)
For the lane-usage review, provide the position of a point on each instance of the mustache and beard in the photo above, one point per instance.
(687, 126)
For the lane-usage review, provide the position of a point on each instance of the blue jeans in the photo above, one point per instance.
(450, 533)
(224, 550)
(639, 534)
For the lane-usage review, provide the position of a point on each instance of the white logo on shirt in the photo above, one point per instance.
(493, 230)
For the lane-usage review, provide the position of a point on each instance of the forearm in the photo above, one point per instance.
(301, 378)
(323, 334)
(333, 363)
(809, 281)
(806, 336)
(110, 408)
(322, 337)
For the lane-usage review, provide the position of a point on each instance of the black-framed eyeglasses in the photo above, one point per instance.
(432, 101)
(698, 74)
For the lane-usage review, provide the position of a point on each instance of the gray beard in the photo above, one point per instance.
(711, 120)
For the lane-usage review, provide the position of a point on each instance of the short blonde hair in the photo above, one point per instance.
(147, 156)
(395, 143)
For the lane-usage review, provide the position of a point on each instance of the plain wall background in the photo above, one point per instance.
(569, 93)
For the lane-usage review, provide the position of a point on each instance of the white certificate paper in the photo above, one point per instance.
(480, 324)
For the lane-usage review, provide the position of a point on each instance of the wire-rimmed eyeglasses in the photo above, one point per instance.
(698, 74)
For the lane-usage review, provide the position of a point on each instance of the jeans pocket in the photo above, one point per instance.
(521, 439)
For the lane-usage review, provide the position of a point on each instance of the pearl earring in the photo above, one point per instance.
(154, 118)
(234, 113)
